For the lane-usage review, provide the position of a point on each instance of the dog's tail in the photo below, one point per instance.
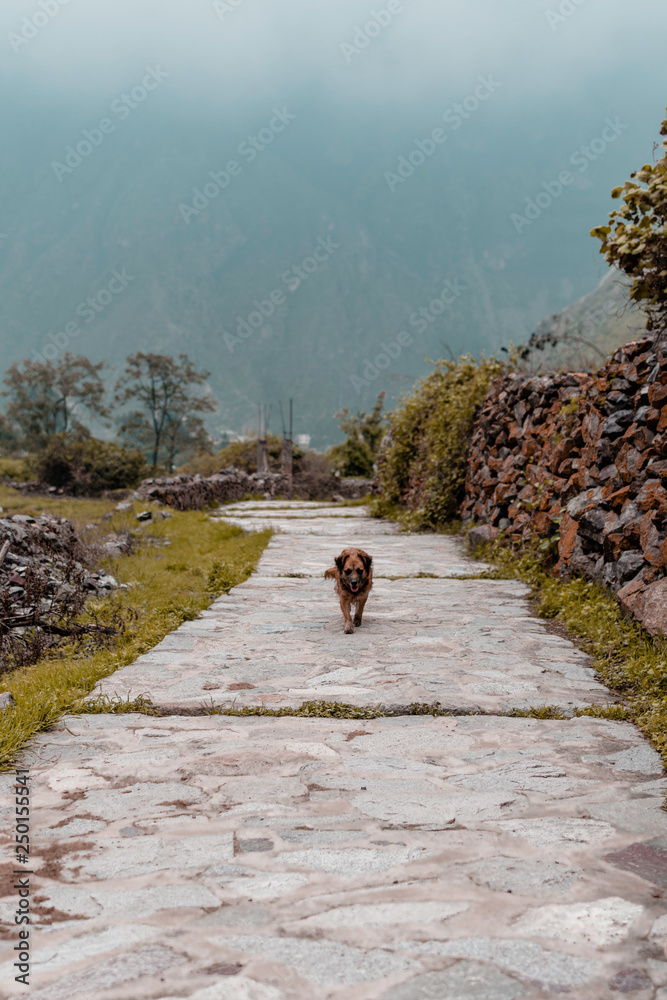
(331, 574)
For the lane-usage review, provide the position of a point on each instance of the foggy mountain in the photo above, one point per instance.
(288, 230)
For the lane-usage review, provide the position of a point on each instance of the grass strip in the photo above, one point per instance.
(307, 710)
(178, 567)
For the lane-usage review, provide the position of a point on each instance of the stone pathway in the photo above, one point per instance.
(476, 857)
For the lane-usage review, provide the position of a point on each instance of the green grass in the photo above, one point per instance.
(628, 660)
(104, 705)
(178, 567)
(79, 511)
(307, 710)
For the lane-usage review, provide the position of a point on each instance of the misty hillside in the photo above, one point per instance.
(591, 328)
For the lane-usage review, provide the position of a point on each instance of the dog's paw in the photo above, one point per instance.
(349, 630)
(357, 622)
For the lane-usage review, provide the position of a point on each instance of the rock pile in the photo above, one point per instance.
(581, 460)
(51, 548)
(44, 587)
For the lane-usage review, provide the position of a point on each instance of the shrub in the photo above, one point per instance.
(422, 467)
(352, 458)
(635, 240)
(356, 456)
(86, 466)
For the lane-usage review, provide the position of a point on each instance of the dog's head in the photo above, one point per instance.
(353, 567)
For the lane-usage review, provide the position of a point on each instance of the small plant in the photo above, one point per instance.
(104, 705)
(223, 576)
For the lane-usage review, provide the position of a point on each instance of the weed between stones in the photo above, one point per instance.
(340, 710)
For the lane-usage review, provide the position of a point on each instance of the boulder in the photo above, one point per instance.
(481, 534)
(647, 603)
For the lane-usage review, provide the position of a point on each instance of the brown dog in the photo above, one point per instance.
(353, 574)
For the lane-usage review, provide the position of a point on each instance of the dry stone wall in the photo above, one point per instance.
(582, 460)
(196, 492)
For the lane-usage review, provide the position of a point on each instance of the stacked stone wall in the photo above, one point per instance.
(581, 460)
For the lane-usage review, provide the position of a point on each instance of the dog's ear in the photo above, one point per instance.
(367, 561)
(340, 562)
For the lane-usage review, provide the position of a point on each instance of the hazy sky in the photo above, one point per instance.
(95, 46)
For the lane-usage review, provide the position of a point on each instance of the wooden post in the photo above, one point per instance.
(287, 453)
(262, 445)
(286, 458)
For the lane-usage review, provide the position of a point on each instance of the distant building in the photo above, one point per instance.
(302, 440)
(224, 436)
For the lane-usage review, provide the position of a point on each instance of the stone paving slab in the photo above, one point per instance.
(277, 640)
(393, 555)
(306, 519)
(279, 509)
(471, 645)
(293, 859)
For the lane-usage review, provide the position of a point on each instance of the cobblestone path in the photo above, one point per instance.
(467, 857)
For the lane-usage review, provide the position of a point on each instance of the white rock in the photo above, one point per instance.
(602, 923)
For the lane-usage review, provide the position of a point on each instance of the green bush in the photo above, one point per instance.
(422, 468)
(352, 458)
(356, 456)
(86, 466)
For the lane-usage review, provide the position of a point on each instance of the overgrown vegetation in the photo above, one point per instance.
(177, 566)
(422, 466)
(626, 658)
(635, 240)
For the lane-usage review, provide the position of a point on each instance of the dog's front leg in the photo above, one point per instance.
(345, 608)
(361, 604)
